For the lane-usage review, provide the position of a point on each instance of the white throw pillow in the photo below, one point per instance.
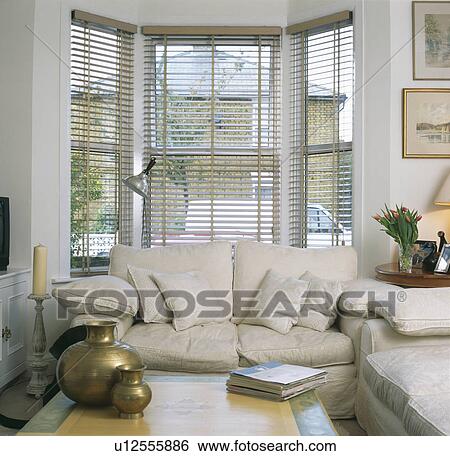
(181, 292)
(364, 295)
(419, 312)
(278, 303)
(319, 306)
(104, 294)
(151, 308)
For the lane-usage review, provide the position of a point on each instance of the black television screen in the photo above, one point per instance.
(4, 233)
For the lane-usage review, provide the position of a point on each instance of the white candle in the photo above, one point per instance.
(40, 270)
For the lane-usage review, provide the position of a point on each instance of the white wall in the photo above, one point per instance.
(16, 77)
(414, 182)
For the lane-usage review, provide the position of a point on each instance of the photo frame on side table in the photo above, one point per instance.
(426, 123)
(421, 251)
(443, 263)
(431, 40)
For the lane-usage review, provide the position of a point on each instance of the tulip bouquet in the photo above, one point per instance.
(401, 225)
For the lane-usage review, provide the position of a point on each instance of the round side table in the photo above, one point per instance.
(390, 273)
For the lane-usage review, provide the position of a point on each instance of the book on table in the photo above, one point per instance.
(275, 380)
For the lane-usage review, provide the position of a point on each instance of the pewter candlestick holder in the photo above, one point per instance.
(39, 366)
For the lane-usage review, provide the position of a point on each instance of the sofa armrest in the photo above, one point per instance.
(124, 323)
(377, 335)
(351, 326)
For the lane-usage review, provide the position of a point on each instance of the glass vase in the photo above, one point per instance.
(405, 257)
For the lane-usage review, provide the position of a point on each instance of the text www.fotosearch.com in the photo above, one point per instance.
(222, 446)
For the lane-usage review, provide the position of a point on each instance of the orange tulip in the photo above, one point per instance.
(377, 217)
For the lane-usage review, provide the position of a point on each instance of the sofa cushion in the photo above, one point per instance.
(212, 259)
(103, 294)
(278, 303)
(428, 415)
(187, 310)
(254, 259)
(419, 312)
(319, 308)
(152, 308)
(357, 294)
(210, 348)
(395, 376)
(301, 346)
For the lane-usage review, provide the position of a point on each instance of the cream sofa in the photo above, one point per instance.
(403, 360)
(219, 348)
(404, 382)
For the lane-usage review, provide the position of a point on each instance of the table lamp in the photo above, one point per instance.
(443, 197)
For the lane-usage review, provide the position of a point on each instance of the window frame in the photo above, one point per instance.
(272, 150)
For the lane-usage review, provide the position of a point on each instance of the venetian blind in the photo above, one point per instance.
(322, 86)
(101, 142)
(212, 109)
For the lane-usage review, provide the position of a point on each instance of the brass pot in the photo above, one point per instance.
(86, 371)
(131, 395)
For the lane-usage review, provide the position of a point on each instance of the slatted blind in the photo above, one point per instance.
(101, 142)
(322, 86)
(212, 110)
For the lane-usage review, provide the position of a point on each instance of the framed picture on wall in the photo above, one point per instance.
(426, 123)
(431, 40)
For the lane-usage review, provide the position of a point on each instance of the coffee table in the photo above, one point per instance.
(188, 405)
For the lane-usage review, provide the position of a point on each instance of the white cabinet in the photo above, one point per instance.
(14, 289)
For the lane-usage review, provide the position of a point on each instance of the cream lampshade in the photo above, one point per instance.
(443, 197)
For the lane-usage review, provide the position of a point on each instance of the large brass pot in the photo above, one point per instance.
(131, 395)
(86, 371)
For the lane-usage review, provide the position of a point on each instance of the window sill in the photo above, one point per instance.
(59, 280)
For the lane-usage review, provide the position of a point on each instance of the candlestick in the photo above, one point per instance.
(40, 270)
(39, 366)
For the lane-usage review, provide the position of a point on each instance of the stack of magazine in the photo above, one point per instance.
(275, 381)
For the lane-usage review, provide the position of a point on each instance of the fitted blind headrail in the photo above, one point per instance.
(105, 21)
(211, 30)
(310, 26)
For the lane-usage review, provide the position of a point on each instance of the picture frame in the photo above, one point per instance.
(421, 251)
(443, 264)
(426, 123)
(430, 40)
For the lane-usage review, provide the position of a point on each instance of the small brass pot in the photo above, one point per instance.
(86, 371)
(131, 395)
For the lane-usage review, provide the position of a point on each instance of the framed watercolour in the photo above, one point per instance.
(431, 40)
(426, 123)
